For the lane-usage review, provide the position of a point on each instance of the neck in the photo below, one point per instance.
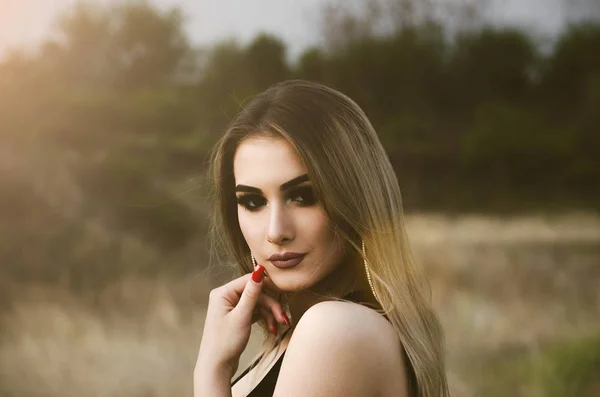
(346, 278)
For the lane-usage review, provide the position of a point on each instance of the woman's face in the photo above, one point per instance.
(278, 214)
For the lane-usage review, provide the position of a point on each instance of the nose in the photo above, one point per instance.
(281, 226)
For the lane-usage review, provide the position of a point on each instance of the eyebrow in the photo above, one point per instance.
(291, 183)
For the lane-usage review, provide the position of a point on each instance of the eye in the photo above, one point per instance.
(303, 196)
(251, 202)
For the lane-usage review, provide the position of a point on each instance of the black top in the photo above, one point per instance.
(266, 387)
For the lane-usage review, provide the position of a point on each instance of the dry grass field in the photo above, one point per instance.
(519, 299)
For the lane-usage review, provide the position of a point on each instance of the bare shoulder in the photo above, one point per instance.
(341, 349)
(350, 321)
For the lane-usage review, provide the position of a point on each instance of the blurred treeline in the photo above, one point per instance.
(118, 103)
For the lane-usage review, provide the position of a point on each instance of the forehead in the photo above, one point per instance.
(263, 161)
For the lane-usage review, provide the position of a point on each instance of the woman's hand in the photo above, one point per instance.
(232, 309)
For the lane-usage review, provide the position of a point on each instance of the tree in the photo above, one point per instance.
(491, 64)
(571, 67)
(312, 65)
(131, 45)
(265, 61)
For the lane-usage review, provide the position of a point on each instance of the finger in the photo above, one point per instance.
(256, 315)
(250, 295)
(266, 315)
(233, 289)
(237, 285)
(274, 307)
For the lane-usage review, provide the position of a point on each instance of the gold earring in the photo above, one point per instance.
(253, 259)
(369, 273)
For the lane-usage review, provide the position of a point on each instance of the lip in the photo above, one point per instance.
(286, 260)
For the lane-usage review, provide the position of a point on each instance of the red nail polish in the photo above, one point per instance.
(274, 329)
(257, 275)
(286, 319)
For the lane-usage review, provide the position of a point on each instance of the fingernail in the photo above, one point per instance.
(257, 274)
(274, 329)
(286, 319)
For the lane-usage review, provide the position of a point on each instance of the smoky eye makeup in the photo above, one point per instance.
(251, 201)
(302, 195)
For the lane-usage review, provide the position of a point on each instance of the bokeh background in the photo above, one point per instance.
(490, 113)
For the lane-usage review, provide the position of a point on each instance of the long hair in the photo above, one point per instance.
(358, 189)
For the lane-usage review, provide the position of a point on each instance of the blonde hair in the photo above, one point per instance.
(357, 187)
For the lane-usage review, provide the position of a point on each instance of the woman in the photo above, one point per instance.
(308, 202)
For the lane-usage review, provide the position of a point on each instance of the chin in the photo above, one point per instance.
(292, 281)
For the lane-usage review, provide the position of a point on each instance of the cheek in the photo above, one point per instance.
(318, 227)
(248, 226)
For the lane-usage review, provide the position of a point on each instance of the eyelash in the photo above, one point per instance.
(306, 193)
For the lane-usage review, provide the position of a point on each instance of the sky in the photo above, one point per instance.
(24, 23)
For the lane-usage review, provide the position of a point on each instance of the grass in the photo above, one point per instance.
(571, 369)
(562, 369)
(518, 299)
